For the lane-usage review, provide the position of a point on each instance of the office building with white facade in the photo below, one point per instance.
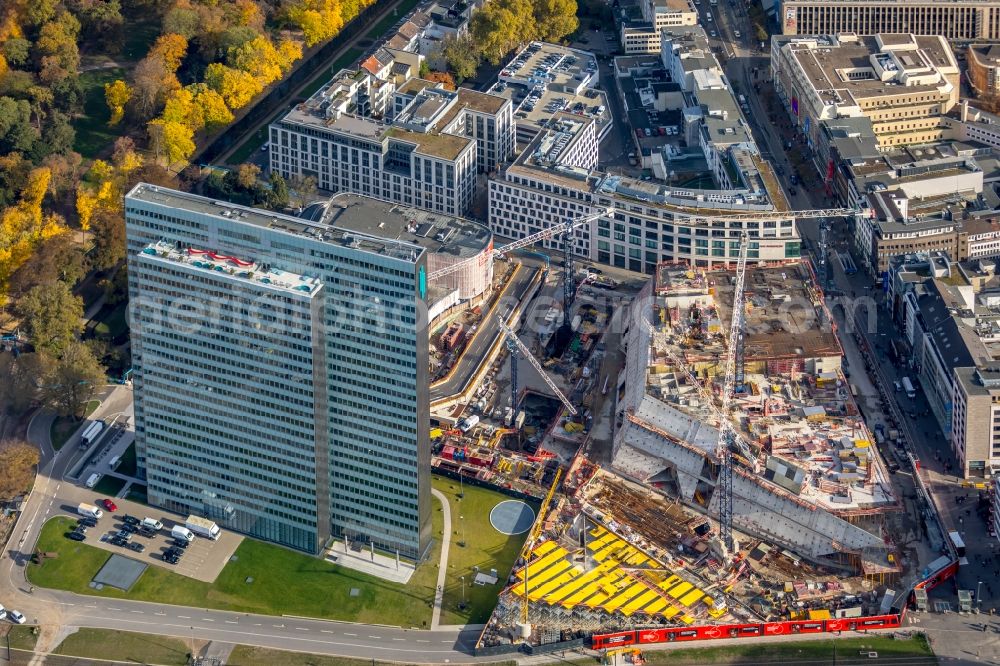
(281, 367)
(422, 148)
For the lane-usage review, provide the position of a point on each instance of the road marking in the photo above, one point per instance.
(257, 624)
(399, 639)
(114, 609)
(347, 634)
(422, 641)
(207, 619)
(374, 637)
(325, 631)
(159, 613)
(184, 617)
(300, 628)
(135, 611)
(231, 622)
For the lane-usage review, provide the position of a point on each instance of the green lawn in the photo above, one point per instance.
(127, 465)
(246, 655)
(63, 427)
(911, 652)
(22, 638)
(284, 582)
(485, 548)
(109, 485)
(112, 323)
(127, 646)
(92, 131)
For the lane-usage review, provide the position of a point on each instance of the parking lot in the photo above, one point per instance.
(202, 560)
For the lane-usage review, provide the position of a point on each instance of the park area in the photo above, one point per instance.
(268, 579)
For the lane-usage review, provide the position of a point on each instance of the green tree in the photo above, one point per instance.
(52, 316)
(555, 19)
(73, 380)
(16, 50)
(16, 131)
(18, 460)
(461, 55)
(279, 191)
(182, 21)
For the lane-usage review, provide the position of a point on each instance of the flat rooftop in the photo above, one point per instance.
(447, 146)
(223, 210)
(436, 232)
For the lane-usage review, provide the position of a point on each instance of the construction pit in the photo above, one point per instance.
(816, 517)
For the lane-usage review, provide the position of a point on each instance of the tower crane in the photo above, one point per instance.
(515, 346)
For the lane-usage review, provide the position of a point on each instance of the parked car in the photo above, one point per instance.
(109, 505)
(131, 529)
(3, 612)
(17, 617)
(76, 536)
(130, 520)
(180, 543)
(136, 546)
(87, 522)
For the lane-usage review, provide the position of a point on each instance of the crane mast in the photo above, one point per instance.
(511, 336)
(726, 432)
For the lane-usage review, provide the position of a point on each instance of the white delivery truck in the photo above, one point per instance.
(89, 510)
(203, 527)
(182, 533)
(468, 424)
(151, 524)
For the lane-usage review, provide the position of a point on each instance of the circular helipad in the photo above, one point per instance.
(512, 517)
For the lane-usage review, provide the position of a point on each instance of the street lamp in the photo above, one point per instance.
(463, 593)
(979, 598)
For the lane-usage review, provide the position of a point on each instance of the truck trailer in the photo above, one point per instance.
(203, 527)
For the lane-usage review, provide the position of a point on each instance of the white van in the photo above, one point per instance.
(93, 479)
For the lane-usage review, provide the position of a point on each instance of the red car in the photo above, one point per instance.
(110, 506)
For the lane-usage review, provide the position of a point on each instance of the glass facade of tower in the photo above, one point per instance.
(280, 373)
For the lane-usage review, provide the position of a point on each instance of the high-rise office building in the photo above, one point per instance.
(280, 367)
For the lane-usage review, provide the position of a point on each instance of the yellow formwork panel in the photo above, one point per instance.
(687, 619)
(598, 531)
(670, 582)
(691, 597)
(543, 591)
(544, 548)
(680, 589)
(602, 542)
(549, 574)
(628, 595)
(585, 579)
(656, 607)
(538, 566)
(638, 603)
(580, 595)
(607, 548)
(596, 600)
(637, 559)
(670, 612)
(716, 613)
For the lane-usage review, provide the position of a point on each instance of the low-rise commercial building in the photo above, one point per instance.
(657, 15)
(902, 83)
(961, 20)
(983, 66)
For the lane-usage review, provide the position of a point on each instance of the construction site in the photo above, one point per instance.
(744, 487)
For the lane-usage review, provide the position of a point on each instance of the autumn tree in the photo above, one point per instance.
(319, 20)
(444, 78)
(262, 60)
(235, 86)
(24, 225)
(170, 49)
(52, 316)
(73, 379)
(212, 106)
(173, 141)
(65, 170)
(109, 239)
(247, 175)
(22, 374)
(55, 259)
(501, 26)
(461, 55)
(302, 190)
(18, 460)
(117, 95)
(555, 19)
